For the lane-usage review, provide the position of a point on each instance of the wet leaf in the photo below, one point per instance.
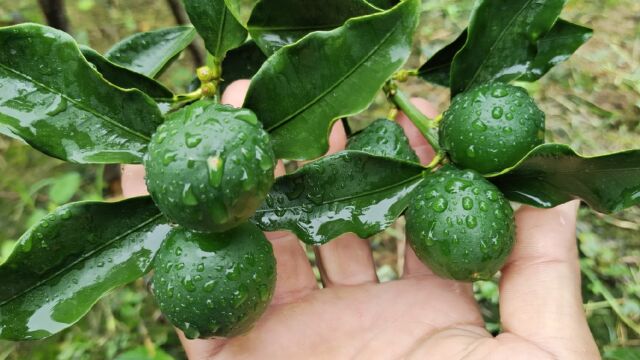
(271, 30)
(216, 24)
(125, 78)
(438, 68)
(241, 63)
(499, 48)
(555, 47)
(303, 88)
(350, 191)
(553, 174)
(63, 107)
(72, 258)
(149, 53)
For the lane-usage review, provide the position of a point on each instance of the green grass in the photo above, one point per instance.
(592, 102)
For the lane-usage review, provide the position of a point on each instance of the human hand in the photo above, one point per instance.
(420, 315)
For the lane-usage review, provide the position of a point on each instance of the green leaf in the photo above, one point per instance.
(143, 353)
(501, 41)
(216, 24)
(350, 191)
(241, 63)
(303, 88)
(553, 174)
(64, 187)
(125, 78)
(555, 47)
(149, 53)
(622, 354)
(383, 4)
(72, 258)
(271, 30)
(438, 68)
(54, 100)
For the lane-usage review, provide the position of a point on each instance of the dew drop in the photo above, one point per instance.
(471, 151)
(497, 112)
(467, 203)
(168, 159)
(161, 137)
(265, 161)
(216, 167)
(188, 197)
(200, 267)
(179, 252)
(66, 214)
(188, 283)
(479, 125)
(471, 221)
(192, 140)
(499, 93)
(209, 286)
(440, 205)
(507, 130)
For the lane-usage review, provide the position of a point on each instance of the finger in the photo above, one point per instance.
(416, 140)
(346, 260)
(235, 93)
(412, 265)
(132, 179)
(540, 297)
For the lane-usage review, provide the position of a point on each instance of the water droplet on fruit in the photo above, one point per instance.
(471, 151)
(509, 116)
(479, 125)
(66, 214)
(456, 185)
(483, 206)
(507, 130)
(471, 221)
(499, 93)
(440, 205)
(188, 197)
(180, 266)
(209, 286)
(188, 283)
(216, 167)
(168, 158)
(497, 112)
(263, 292)
(265, 161)
(467, 203)
(189, 332)
(192, 140)
(491, 195)
(240, 296)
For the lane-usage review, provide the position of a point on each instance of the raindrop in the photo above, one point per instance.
(479, 125)
(499, 93)
(471, 221)
(168, 159)
(200, 267)
(188, 283)
(209, 286)
(179, 252)
(192, 140)
(188, 197)
(471, 151)
(440, 205)
(216, 167)
(507, 130)
(467, 203)
(497, 112)
(161, 136)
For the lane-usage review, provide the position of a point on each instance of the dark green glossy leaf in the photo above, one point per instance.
(70, 259)
(501, 40)
(271, 29)
(124, 77)
(149, 53)
(303, 88)
(350, 191)
(553, 174)
(241, 63)
(555, 47)
(216, 24)
(383, 4)
(54, 100)
(438, 68)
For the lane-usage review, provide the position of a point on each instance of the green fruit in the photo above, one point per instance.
(491, 127)
(460, 225)
(209, 166)
(383, 138)
(215, 284)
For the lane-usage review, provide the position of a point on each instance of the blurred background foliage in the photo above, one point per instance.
(592, 102)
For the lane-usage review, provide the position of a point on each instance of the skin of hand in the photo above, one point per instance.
(419, 316)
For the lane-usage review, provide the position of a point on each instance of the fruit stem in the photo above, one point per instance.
(404, 74)
(425, 125)
(194, 95)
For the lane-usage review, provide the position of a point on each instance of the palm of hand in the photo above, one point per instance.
(419, 316)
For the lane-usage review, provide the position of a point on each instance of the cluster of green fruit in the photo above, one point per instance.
(208, 168)
(460, 224)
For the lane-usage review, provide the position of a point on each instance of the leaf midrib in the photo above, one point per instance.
(295, 28)
(81, 259)
(342, 199)
(569, 172)
(498, 40)
(78, 104)
(337, 83)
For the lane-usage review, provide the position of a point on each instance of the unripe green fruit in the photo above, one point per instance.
(384, 138)
(460, 225)
(209, 166)
(214, 284)
(491, 127)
